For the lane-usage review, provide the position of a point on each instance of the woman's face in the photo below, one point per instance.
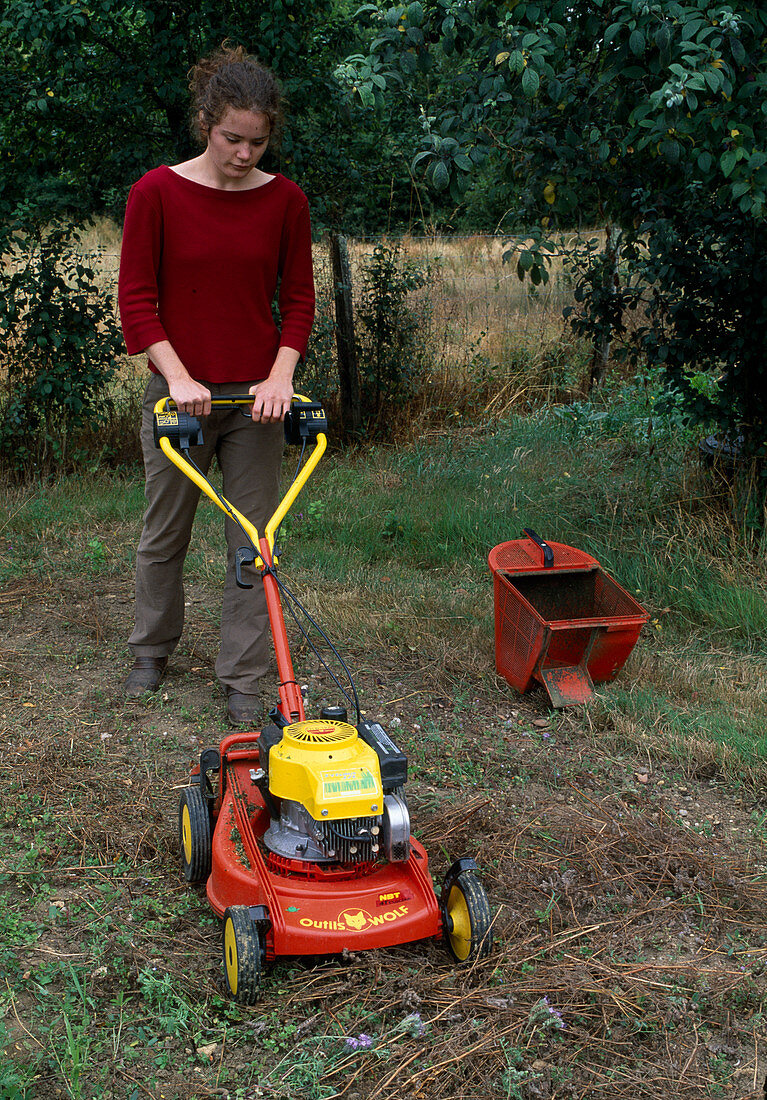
(237, 143)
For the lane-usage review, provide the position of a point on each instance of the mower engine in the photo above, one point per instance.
(334, 793)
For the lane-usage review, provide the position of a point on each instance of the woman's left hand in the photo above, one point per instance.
(274, 395)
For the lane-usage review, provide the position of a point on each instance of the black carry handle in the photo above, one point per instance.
(548, 553)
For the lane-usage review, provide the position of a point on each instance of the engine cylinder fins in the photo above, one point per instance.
(320, 734)
(297, 836)
(352, 841)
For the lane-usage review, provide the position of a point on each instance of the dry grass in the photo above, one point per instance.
(629, 893)
(477, 306)
(576, 975)
(479, 301)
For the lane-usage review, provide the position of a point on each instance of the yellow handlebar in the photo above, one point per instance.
(202, 482)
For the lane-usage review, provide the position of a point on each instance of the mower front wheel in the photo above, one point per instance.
(467, 918)
(243, 953)
(194, 834)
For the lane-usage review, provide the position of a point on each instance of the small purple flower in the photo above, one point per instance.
(414, 1024)
(361, 1042)
(543, 1014)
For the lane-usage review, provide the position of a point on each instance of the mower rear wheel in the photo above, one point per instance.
(468, 919)
(194, 834)
(243, 951)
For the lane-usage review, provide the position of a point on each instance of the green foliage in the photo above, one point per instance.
(174, 1013)
(100, 96)
(587, 101)
(390, 331)
(61, 343)
(14, 1081)
(491, 203)
(650, 117)
(709, 319)
(73, 1056)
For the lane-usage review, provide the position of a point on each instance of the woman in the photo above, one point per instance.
(206, 243)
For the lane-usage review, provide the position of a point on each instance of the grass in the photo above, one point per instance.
(622, 845)
(392, 544)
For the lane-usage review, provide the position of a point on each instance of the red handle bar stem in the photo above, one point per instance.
(291, 699)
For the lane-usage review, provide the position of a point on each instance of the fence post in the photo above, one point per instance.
(348, 376)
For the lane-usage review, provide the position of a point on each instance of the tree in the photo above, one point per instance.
(101, 94)
(651, 116)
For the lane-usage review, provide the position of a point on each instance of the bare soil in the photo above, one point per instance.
(630, 897)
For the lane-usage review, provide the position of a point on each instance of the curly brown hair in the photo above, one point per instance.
(230, 77)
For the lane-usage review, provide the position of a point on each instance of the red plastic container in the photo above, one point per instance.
(559, 619)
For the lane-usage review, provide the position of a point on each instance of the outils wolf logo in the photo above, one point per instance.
(358, 920)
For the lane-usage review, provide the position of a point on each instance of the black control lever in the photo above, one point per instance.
(243, 555)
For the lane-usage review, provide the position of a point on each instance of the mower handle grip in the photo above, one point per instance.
(236, 400)
(226, 401)
(304, 421)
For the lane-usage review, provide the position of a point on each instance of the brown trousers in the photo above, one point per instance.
(249, 456)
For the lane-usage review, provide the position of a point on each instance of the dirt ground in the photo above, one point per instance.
(629, 895)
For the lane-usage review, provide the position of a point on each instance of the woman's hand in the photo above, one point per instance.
(273, 396)
(190, 396)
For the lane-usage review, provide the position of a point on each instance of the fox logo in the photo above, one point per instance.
(357, 920)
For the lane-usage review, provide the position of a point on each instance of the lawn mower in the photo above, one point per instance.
(301, 830)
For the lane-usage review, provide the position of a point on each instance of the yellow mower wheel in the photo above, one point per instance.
(242, 951)
(194, 834)
(468, 919)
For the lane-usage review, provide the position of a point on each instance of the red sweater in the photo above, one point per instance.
(199, 267)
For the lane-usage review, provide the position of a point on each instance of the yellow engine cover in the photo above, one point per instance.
(328, 768)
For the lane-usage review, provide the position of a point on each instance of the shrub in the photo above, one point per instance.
(61, 340)
(391, 335)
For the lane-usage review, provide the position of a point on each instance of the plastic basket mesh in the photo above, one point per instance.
(610, 600)
(522, 555)
(518, 635)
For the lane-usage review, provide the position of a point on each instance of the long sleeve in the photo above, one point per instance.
(200, 267)
(139, 267)
(296, 295)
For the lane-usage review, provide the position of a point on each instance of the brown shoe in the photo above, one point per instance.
(242, 709)
(146, 674)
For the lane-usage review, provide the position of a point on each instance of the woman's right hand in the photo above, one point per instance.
(190, 396)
